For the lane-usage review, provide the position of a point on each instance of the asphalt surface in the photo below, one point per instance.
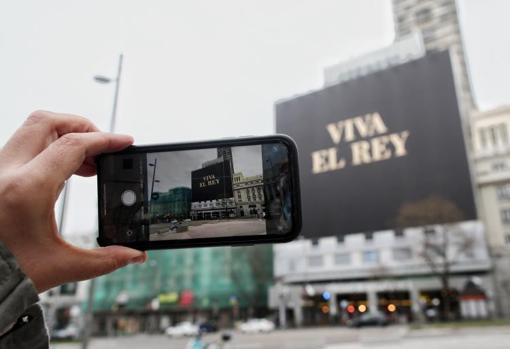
(208, 229)
(328, 338)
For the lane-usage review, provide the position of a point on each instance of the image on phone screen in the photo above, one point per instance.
(197, 193)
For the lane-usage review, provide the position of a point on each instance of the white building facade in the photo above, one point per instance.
(249, 195)
(322, 282)
(491, 155)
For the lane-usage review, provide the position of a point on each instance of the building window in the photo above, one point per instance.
(505, 215)
(507, 238)
(315, 261)
(342, 258)
(498, 166)
(503, 132)
(483, 138)
(402, 254)
(428, 34)
(423, 16)
(503, 192)
(429, 231)
(370, 257)
(493, 136)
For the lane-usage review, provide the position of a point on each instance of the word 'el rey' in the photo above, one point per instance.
(382, 147)
(208, 180)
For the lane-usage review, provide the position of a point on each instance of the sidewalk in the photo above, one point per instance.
(497, 337)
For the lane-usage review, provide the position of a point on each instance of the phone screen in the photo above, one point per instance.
(197, 193)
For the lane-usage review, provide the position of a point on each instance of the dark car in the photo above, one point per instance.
(370, 319)
(208, 327)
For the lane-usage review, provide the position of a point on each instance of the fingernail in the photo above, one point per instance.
(138, 260)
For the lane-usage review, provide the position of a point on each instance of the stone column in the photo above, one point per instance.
(414, 295)
(282, 311)
(333, 307)
(372, 301)
(298, 314)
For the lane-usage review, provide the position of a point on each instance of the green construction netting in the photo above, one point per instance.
(214, 277)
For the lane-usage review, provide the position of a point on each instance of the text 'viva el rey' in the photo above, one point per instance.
(368, 141)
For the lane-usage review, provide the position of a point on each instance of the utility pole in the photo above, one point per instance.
(87, 328)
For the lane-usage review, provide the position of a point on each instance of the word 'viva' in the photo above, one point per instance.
(381, 147)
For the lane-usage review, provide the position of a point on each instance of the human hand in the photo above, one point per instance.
(35, 163)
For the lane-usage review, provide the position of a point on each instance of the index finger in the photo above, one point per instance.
(39, 130)
(68, 153)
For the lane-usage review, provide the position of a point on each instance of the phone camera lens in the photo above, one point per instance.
(128, 197)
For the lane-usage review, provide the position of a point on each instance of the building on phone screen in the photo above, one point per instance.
(249, 195)
(173, 204)
(211, 188)
(219, 193)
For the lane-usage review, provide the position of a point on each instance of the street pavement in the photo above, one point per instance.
(209, 229)
(329, 338)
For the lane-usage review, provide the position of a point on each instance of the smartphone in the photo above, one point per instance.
(240, 191)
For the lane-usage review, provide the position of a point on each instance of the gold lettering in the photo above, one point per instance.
(333, 163)
(366, 125)
(377, 124)
(341, 128)
(326, 160)
(335, 131)
(399, 142)
(361, 124)
(360, 153)
(379, 148)
(320, 161)
(349, 130)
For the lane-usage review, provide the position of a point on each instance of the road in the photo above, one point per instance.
(329, 338)
(207, 229)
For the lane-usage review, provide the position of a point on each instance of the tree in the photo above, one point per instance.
(443, 242)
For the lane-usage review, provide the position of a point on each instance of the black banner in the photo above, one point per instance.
(212, 182)
(383, 151)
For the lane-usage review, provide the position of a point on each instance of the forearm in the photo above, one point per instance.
(21, 319)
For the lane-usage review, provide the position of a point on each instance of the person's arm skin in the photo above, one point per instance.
(34, 164)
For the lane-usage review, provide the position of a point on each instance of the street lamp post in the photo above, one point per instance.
(88, 315)
(154, 180)
(106, 80)
(155, 165)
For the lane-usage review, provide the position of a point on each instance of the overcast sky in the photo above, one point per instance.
(201, 69)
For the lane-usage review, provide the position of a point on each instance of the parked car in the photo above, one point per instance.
(182, 329)
(208, 327)
(256, 326)
(370, 319)
(69, 332)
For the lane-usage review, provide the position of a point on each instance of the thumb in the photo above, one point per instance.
(87, 264)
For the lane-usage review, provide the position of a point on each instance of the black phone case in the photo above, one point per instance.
(220, 241)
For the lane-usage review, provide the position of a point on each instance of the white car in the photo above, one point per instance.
(69, 332)
(256, 326)
(182, 329)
